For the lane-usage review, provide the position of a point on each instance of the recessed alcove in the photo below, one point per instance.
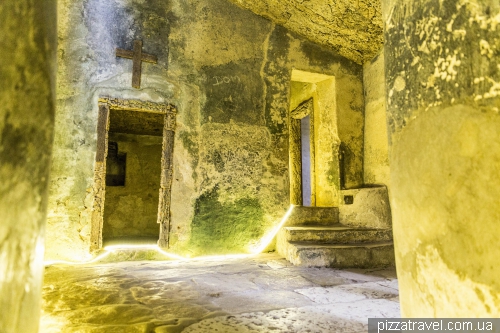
(314, 140)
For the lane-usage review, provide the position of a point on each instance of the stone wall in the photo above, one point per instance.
(228, 72)
(443, 100)
(376, 147)
(27, 89)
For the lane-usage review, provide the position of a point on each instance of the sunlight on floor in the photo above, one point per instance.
(256, 294)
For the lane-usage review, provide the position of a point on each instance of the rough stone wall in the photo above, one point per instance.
(132, 210)
(27, 89)
(352, 28)
(376, 145)
(443, 101)
(227, 71)
(350, 126)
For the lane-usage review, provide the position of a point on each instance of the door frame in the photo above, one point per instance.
(105, 105)
(304, 109)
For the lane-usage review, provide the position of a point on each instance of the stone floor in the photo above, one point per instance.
(258, 294)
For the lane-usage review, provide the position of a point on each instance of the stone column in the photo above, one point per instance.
(443, 99)
(27, 70)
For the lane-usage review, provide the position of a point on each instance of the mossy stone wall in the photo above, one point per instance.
(228, 72)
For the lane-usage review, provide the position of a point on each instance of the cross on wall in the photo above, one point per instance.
(137, 57)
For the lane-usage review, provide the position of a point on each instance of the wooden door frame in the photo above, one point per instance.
(106, 104)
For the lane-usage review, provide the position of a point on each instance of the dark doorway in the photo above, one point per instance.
(133, 168)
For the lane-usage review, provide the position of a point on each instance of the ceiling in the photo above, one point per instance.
(135, 122)
(353, 28)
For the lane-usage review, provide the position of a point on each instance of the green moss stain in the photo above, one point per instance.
(192, 147)
(225, 228)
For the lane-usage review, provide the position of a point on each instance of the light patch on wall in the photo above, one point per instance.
(264, 242)
(493, 92)
(485, 48)
(302, 76)
(399, 83)
(444, 68)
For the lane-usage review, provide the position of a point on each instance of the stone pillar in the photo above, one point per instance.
(443, 99)
(27, 70)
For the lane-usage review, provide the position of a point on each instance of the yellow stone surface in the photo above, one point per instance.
(446, 213)
(352, 28)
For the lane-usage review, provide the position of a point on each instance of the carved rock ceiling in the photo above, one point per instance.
(353, 28)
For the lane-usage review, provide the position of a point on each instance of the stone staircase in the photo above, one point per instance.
(314, 236)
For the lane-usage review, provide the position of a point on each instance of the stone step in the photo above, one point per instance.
(302, 215)
(338, 234)
(363, 255)
(131, 254)
(131, 249)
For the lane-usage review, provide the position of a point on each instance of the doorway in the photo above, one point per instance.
(305, 149)
(132, 178)
(313, 140)
(133, 173)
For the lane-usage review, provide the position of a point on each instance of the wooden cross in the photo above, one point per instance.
(138, 57)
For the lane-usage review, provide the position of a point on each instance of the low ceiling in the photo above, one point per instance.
(135, 122)
(353, 28)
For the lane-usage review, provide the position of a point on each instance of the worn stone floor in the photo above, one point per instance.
(257, 294)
